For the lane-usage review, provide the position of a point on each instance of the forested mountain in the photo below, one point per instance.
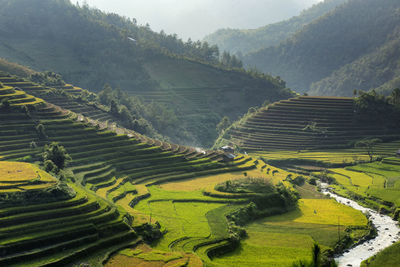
(352, 47)
(186, 81)
(251, 40)
(379, 69)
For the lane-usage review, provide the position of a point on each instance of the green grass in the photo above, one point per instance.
(388, 257)
(376, 180)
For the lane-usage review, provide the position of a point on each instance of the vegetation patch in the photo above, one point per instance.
(388, 257)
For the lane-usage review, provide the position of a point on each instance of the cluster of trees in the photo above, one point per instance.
(231, 61)
(55, 158)
(167, 43)
(266, 198)
(376, 108)
(47, 78)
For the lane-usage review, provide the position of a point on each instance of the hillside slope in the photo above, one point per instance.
(247, 41)
(341, 37)
(119, 168)
(308, 123)
(90, 48)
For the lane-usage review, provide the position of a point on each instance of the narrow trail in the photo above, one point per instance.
(388, 232)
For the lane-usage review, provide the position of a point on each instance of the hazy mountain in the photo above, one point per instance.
(251, 40)
(346, 49)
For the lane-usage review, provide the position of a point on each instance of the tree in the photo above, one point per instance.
(114, 108)
(395, 96)
(369, 146)
(125, 114)
(224, 123)
(57, 155)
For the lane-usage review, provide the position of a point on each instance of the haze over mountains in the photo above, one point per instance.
(196, 18)
(331, 49)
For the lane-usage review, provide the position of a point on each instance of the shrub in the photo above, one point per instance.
(33, 145)
(149, 232)
(40, 130)
(27, 159)
(299, 180)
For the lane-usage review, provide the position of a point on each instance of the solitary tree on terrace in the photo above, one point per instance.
(369, 146)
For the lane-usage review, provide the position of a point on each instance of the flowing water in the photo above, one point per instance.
(388, 232)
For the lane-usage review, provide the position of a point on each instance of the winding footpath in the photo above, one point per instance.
(388, 232)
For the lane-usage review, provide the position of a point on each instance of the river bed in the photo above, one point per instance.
(388, 232)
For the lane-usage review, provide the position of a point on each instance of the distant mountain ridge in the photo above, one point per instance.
(341, 37)
(252, 40)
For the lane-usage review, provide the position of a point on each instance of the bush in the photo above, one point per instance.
(40, 130)
(299, 180)
(149, 232)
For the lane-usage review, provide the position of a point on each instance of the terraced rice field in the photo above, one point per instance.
(57, 228)
(17, 97)
(122, 169)
(151, 180)
(378, 180)
(303, 123)
(331, 156)
(18, 177)
(280, 240)
(56, 97)
(194, 220)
